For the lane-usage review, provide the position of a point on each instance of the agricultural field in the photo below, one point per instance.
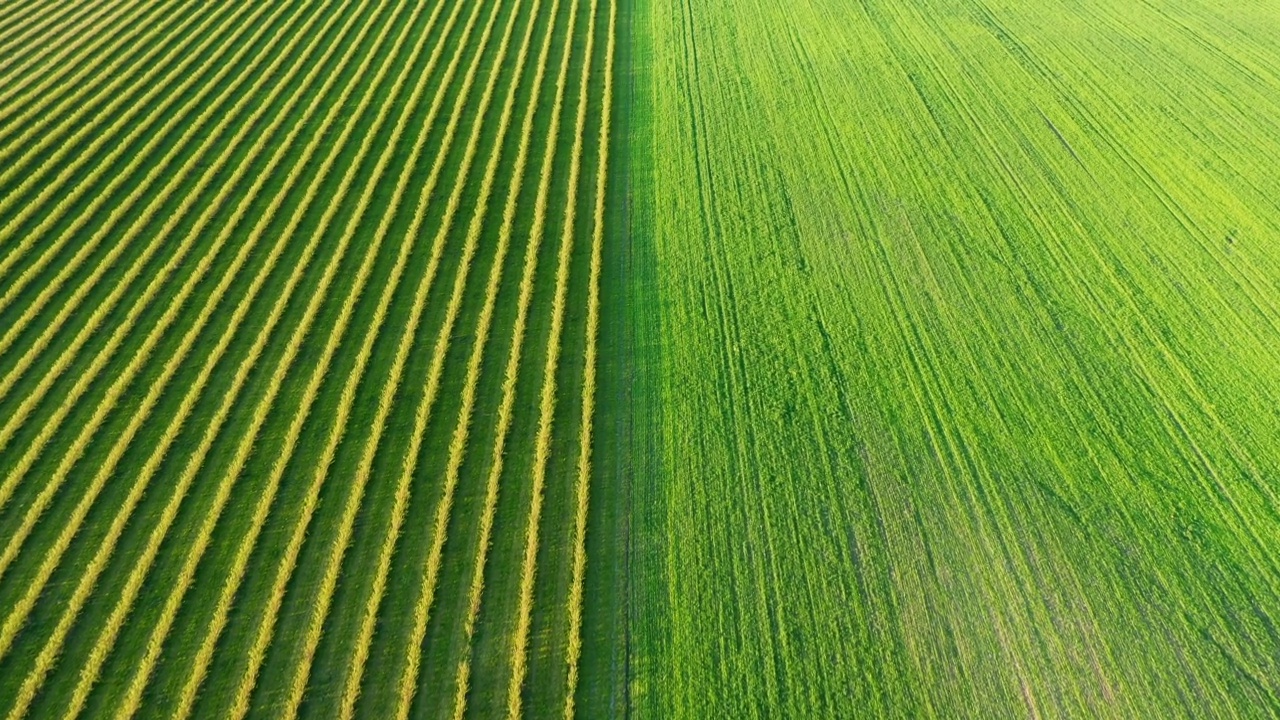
(640, 358)
(299, 324)
(958, 333)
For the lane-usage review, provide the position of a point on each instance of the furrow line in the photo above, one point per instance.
(20, 16)
(102, 197)
(542, 449)
(512, 370)
(76, 93)
(89, 674)
(86, 123)
(53, 555)
(156, 281)
(91, 42)
(589, 378)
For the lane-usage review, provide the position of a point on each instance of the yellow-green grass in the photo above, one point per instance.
(956, 348)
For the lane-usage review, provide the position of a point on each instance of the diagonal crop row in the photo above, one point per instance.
(258, 650)
(547, 404)
(175, 303)
(117, 179)
(19, 16)
(50, 23)
(334, 563)
(102, 647)
(72, 524)
(511, 373)
(422, 609)
(38, 236)
(160, 632)
(69, 403)
(408, 683)
(589, 378)
(86, 124)
(459, 443)
(80, 23)
(57, 94)
(98, 48)
(355, 676)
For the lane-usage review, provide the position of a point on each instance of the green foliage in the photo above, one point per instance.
(247, 372)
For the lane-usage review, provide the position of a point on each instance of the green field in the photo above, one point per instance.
(640, 358)
(959, 337)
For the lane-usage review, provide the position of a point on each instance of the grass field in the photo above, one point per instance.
(299, 318)
(958, 340)
(640, 358)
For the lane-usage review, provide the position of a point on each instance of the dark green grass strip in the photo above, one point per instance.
(603, 690)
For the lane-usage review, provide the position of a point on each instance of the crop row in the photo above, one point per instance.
(135, 95)
(53, 555)
(50, 290)
(98, 49)
(156, 282)
(263, 635)
(175, 303)
(459, 444)
(263, 282)
(589, 376)
(70, 20)
(247, 439)
(88, 677)
(548, 396)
